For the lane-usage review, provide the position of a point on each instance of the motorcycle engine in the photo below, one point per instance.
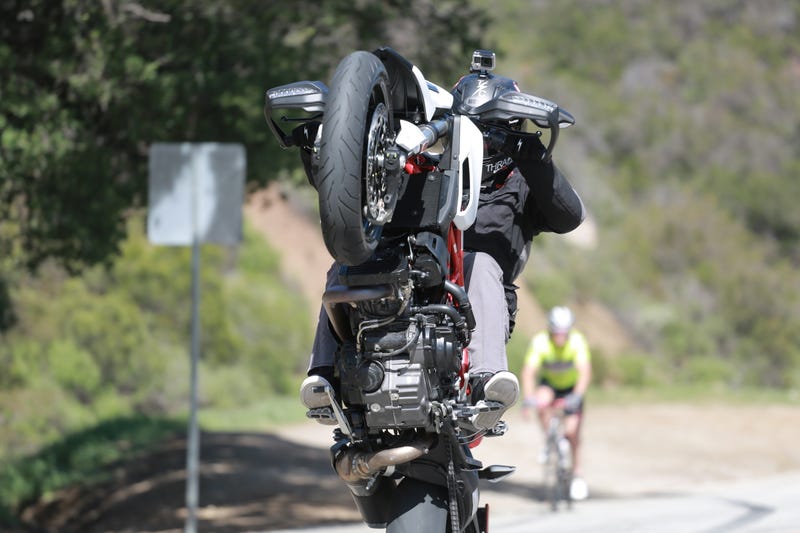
(407, 364)
(396, 390)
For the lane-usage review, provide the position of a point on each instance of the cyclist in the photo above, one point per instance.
(558, 365)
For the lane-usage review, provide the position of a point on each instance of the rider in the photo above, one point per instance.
(560, 359)
(522, 194)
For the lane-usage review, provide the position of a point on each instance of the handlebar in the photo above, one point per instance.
(433, 131)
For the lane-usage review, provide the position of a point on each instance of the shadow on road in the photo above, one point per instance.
(536, 491)
(249, 481)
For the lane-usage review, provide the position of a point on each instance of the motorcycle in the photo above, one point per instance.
(398, 173)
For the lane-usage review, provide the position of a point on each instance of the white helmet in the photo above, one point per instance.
(560, 320)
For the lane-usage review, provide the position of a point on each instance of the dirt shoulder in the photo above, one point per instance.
(282, 480)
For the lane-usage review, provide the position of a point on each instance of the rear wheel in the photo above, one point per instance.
(415, 503)
(357, 129)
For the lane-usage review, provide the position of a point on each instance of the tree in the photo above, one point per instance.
(87, 86)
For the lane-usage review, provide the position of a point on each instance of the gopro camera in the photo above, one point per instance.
(482, 61)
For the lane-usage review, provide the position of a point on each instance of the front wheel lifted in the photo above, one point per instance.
(357, 130)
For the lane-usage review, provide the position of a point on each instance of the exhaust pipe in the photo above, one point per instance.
(355, 465)
(340, 294)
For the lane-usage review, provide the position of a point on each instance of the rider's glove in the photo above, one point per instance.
(524, 147)
(520, 146)
(572, 403)
(305, 134)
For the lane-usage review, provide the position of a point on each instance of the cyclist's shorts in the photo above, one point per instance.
(561, 393)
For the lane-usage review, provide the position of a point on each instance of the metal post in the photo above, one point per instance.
(193, 448)
(195, 195)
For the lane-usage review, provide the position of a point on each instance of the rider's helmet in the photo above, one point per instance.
(475, 89)
(560, 320)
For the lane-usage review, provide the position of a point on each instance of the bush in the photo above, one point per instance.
(706, 370)
(601, 368)
(19, 362)
(115, 341)
(81, 456)
(516, 349)
(74, 368)
(631, 370)
(112, 329)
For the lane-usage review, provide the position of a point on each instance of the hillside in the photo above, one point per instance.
(283, 216)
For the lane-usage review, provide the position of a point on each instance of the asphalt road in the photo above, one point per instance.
(766, 505)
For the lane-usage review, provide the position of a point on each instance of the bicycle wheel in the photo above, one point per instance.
(565, 471)
(551, 476)
(564, 482)
(356, 131)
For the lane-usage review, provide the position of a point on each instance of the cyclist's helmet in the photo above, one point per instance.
(474, 90)
(560, 320)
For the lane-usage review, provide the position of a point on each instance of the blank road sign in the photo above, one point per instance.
(195, 189)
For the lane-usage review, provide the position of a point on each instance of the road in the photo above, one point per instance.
(768, 505)
(651, 468)
(655, 468)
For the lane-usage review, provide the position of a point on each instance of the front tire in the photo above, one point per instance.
(356, 130)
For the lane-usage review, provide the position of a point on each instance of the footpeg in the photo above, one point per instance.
(323, 415)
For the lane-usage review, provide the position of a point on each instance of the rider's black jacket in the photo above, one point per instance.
(521, 196)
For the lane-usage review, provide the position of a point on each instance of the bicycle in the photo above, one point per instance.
(557, 460)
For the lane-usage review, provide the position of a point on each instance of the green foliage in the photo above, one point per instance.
(18, 362)
(255, 416)
(101, 353)
(631, 370)
(552, 289)
(688, 117)
(516, 350)
(115, 340)
(88, 86)
(111, 328)
(73, 368)
(601, 368)
(733, 292)
(80, 457)
(706, 370)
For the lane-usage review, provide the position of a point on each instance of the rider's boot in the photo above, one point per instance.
(314, 395)
(501, 387)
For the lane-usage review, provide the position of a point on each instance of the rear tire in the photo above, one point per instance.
(356, 129)
(415, 503)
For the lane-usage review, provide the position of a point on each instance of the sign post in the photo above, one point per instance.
(196, 192)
